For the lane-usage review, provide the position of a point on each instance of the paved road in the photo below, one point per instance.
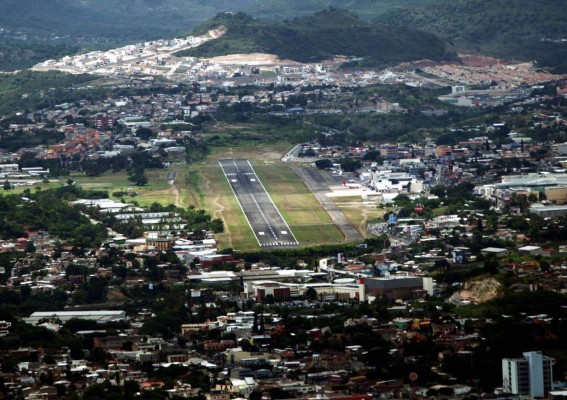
(318, 182)
(264, 218)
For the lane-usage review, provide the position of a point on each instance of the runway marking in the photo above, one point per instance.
(254, 178)
(263, 216)
(238, 201)
(274, 204)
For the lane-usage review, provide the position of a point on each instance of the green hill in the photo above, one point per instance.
(517, 29)
(276, 10)
(320, 36)
(110, 19)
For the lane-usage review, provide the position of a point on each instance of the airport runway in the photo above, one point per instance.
(318, 182)
(264, 218)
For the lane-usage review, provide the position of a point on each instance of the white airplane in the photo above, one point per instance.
(351, 185)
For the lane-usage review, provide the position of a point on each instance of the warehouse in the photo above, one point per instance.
(101, 316)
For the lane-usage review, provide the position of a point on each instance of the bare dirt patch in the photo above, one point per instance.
(480, 60)
(257, 59)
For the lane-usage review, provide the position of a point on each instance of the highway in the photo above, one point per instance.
(264, 218)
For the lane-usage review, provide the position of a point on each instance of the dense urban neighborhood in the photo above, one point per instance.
(247, 227)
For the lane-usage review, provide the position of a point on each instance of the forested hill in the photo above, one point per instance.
(320, 36)
(109, 19)
(517, 29)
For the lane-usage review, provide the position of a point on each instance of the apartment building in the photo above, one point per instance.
(531, 375)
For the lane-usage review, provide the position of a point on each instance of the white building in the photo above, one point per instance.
(100, 316)
(531, 375)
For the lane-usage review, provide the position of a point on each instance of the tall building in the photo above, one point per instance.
(531, 375)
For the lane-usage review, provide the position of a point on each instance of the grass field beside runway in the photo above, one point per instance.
(211, 192)
(203, 185)
(157, 190)
(309, 222)
(359, 213)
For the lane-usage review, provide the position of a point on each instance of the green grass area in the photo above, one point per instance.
(261, 152)
(296, 203)
(203, 185)
(109, 181)
(40, 185)
(221, 203)
(309, 235)
(307, 219)
(158, 189)
(251, 137)
(359, 213)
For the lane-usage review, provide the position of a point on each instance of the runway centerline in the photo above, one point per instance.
(262, 215)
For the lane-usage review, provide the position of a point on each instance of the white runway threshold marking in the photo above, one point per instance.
(260, 233)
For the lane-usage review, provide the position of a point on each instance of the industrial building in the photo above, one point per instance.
(101, 316)
(399, 287)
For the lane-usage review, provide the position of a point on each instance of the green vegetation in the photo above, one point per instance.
(504, 28)
(49, 210)
(28, 90)
(320, 36)
(249, 129)
(307, 219)
(311, 255)
(23, 55)
(20, 139)
(275, 10)
(99, 21)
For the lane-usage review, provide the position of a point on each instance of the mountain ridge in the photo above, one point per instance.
(320, 36)
(514, 29)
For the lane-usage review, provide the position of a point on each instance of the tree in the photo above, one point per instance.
(144, 133)
(350, 165)
(491, 266)
(139, 178)
(217, 225)
(324, 164)
(30, 247)
(311, 294)
(7, 185)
